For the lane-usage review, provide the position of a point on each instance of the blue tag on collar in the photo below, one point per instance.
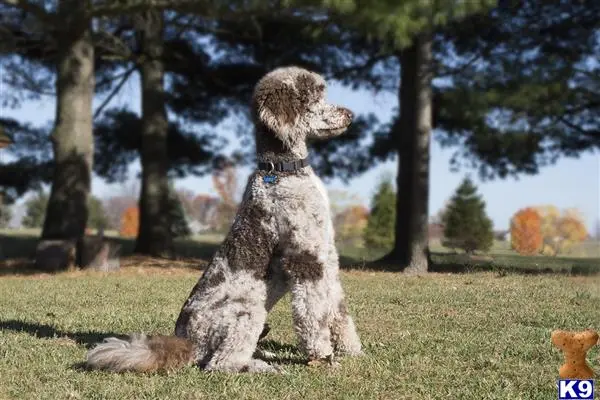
(269, 178)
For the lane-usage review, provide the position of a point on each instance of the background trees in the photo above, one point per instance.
(511, 91)
(527, 76)
(555, 232)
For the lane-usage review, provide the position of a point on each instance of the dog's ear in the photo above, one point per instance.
(277, 107)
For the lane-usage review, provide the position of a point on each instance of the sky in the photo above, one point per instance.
(571, 183)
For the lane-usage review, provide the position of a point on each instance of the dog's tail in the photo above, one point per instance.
(141, 353)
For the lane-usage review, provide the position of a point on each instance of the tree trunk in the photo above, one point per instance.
(154, 236)
(72, 139)
(412, 136)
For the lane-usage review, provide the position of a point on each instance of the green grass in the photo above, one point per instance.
(442, 336)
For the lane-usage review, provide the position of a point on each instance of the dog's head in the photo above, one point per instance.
(290, 103)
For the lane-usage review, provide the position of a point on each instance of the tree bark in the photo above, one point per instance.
(412, 137)
(72, 138)
(154, 236)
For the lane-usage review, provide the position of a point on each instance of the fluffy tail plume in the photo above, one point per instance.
(141, 353)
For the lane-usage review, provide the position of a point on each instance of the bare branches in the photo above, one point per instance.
(28, 78)
(116, 90)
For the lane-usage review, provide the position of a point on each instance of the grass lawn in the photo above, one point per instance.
(482, 335)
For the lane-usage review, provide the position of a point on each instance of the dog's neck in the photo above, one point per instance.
(271, 149)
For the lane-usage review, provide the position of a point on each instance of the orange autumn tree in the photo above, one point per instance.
(560, 230)
(571, 230)
(350, 224)
(130, 221)
(525, 231)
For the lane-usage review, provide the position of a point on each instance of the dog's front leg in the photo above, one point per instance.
(344, 336)
(310, 308)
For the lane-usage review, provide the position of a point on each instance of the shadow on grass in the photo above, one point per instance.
(502, 265)
(22, 248)
(43, 331)
(17, 252)
(282, 353)
(90, 338)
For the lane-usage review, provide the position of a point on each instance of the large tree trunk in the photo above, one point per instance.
(412, 136)
(72, 139)
(154, 236)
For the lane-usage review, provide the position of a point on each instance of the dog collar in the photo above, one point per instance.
(283, 166)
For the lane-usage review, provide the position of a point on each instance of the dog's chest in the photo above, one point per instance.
(321, 190)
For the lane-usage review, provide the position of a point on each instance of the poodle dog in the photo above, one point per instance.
(281, 240)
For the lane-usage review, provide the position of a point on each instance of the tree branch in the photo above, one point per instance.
(114, 92)
(115, 7)
(450, 72)
(34, 9)
(357, 69)
(592, 134)
(112, 47)
(111, 79)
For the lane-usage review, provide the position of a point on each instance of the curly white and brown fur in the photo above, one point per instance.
(281, 240)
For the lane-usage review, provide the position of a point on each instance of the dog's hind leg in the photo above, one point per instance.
(226, 317)
(241, 328)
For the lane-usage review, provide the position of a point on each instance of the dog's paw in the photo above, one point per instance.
(260, 366)
(327, 361)
(350, 353)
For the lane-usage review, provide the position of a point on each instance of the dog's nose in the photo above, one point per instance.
(348, 114)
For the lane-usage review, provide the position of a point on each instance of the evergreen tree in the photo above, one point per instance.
(35, 210)
(179, 223)
(97, 217)
(466, 225)
(379, 232)
(5, 213)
